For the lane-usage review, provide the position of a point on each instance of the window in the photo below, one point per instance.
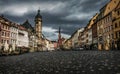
(2, 33)
(119, 34)
(112, 36)
(111, 27)
(7, 41)
(119, 23)
(6, 27)
(3, 26)
(5, 33)
(8, 34)
(115, 25)
(118, 12)
(2, 41)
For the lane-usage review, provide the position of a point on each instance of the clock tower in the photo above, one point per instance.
(38, 31)
(38, 24)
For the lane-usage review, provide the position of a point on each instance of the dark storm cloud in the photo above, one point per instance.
(69, 14)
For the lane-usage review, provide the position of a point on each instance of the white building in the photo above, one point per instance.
(49, 45)
(23, 39)
(75, 39)
(13, 33)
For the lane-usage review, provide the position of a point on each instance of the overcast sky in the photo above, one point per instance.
(68, 14)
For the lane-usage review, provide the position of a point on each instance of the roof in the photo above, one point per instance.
(21, 27)
(14, 25)
(111, 6)
(38, 15)
(27, 25)
(92, 21)
(118, 6)
(5, 20)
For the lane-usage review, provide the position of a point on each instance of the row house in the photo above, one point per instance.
(75, 38)
(100, 28)
(94, 35)
(105, 25)
(12, 33)
(82, 39)
(73, 41)
(116, 26)
(90, 32)
(85, 38)
(31, 34)
(67, 44)
(23, 39)
(5, 30)
(103, 30)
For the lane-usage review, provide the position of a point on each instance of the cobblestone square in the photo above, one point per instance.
(62, 62)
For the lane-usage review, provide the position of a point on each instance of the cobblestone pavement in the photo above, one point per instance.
(62, 62)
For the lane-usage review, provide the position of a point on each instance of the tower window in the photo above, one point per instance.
(115, 25)
(119, 23)
(114, 1)
(118, 12)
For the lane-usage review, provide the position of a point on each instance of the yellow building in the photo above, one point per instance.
(108, 24)
(67, 44)
(105, 25)
(116, 26)
(100, 30)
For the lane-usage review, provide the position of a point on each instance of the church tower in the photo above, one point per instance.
(38, 25)
(59, 38)
(38, 31)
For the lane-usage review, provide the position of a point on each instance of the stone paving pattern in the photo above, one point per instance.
(62, 62)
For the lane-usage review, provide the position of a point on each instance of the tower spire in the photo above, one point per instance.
(38, 14)
(59, 30)
(38, 11)
(59, 38)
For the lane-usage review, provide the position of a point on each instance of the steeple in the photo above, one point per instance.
(27, 25)
(38, 15)
(59, 38)
(59, 30)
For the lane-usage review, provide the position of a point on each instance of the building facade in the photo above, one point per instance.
(67, 44)
(13, 33)
(32, 36)
(59, 44)
(38, 31)
(5, 30)
(94, 35)
(105, 25)
(23, 40)
(116, 27)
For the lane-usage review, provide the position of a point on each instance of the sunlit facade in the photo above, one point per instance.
(116, 27)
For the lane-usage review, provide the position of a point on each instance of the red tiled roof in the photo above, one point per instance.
(21, 27)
